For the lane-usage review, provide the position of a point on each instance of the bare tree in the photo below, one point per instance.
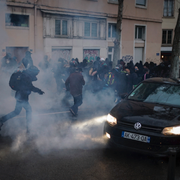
(174, 70)
(116, 56)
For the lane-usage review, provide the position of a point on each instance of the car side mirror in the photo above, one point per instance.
(123, 96)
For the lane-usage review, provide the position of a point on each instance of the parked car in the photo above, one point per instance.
(148, 119)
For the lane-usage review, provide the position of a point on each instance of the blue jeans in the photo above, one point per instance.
(17, 110)
(77, 103)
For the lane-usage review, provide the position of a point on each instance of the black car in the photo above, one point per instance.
(148, 119)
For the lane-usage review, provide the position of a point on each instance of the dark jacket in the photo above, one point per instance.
(75, 83)
(27, 61)
(25, 89)
(132, 79)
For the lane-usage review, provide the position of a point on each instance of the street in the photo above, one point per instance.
(91, 164)
(65, 148)
(65, 65)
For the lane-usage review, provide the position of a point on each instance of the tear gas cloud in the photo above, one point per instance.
(52, 125)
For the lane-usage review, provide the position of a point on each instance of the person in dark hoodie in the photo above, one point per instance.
(75, 83)
(27, 60)
(23, 89)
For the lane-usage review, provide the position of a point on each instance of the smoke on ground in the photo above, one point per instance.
(53, 126)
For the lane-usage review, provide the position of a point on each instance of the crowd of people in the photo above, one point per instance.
(95, 76)
(100, 75)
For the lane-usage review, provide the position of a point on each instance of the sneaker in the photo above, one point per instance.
(74, 118)
(72, 112)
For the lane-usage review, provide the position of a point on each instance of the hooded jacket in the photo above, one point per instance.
(75, 83)
(25, 89)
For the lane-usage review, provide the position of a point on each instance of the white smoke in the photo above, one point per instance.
(52, 125)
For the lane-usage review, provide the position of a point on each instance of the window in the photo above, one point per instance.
(168, 8)
(94, 30)
(62, 52)
(140, 32)
(110, 53)
(87, 29)
(57, 27)
(141, 2)
(17, 20)
(60, 27)
(91, 54)
(90, 29)
(64, 27)
(158, 93)
(111, 30)
(167, 36)
(113, 1)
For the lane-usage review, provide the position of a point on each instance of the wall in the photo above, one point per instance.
(18, 36)
(76, 45)
(170, 22)
(152, 12)
(153, 47)
(151, 18)
(101, 10)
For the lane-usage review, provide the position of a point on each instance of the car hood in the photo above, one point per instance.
(146, 113)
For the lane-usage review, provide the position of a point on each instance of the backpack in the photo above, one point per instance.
(16, 80)
(110, 79)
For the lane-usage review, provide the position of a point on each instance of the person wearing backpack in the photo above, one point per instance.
(21, 82)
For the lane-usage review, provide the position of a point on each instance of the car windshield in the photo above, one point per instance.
(157, 93)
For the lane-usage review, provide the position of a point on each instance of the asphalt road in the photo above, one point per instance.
(91, 164)
(63, 148)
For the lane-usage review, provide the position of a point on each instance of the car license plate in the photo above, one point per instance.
(136, 137)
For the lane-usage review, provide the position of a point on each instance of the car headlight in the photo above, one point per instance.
(111, 120)
(171, 130)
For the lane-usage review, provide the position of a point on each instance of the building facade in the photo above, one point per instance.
(170, 15)
(81, 29)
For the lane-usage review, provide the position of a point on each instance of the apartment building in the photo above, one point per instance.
(81, 29)
(170, 15)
